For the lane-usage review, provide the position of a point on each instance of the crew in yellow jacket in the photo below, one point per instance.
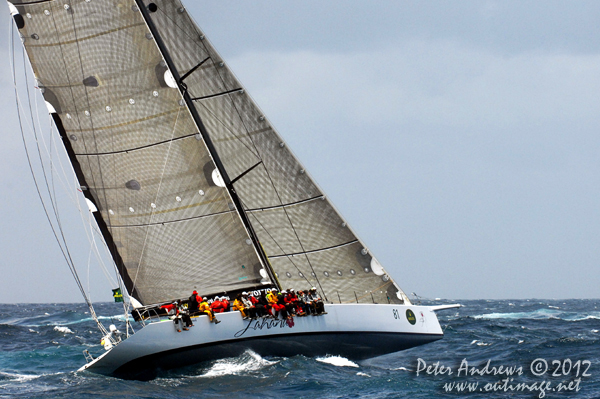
(272, 297)
(205, 307)
(239, 305)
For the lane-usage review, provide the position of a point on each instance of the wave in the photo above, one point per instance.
(541, 314)
(247, 362)
(57, 320)
(14, 377)
(63, 329)
(337, 361)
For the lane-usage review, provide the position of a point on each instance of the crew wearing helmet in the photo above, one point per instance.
(204, 307)
(238, 304)
(226, 304)
(217, 306)
(249, 306)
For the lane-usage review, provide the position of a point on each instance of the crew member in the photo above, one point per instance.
(238, 304)
(205, 308)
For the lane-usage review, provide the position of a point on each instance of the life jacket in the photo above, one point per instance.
(170, 308)
(217, 306)
(238, 305)
(204, 307)
(272, 298)
(225, 303)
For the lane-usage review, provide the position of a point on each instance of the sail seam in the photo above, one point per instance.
(87, 37)
(170, 221)
(279, 246)
(125, 123)
(137, 148)
(268, 208)
(314, 250)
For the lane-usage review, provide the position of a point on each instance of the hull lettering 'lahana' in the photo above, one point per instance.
(192, 188)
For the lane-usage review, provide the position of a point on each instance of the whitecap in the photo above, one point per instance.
(402, 368)
(249, 361)
(363, 374)
(536, 315)
(482, 344)
(63, 329)
(474, 341)
(594, 331)
(119, 317)
(337, 361)
(521, 341)
(33, 331)
(553, 307)
(17, 377)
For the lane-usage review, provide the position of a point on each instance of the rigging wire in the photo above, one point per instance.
(101, 178)
(248, 135)
(152, 213)
(63, 246)
(273, 186)
(64, 251)
(238, 138)
(204, 46)
(279, 246)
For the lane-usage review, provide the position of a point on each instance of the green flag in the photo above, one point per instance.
(117, 295)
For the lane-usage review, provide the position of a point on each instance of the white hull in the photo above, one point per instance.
(356, 331)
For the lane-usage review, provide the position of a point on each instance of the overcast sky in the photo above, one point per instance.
(459, 139)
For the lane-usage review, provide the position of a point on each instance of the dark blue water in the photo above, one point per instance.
(41, 345)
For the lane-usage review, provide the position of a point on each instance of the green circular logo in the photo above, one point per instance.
(410, 316)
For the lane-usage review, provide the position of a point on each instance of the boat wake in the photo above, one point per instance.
(337, 361)
(249, 361)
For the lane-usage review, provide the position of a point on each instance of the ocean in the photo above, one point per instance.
(491, 349)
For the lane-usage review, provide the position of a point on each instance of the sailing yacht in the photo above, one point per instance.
(192, 187)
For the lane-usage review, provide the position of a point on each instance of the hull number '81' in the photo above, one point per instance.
(410, 316)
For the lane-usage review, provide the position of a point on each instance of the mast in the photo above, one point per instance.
(207, 140)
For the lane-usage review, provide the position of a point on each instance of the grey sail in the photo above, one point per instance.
(136, 150)
(306, 240)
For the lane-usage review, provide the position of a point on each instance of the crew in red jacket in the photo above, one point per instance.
(217, 306)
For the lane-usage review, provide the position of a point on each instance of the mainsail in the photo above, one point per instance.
(184, 169)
